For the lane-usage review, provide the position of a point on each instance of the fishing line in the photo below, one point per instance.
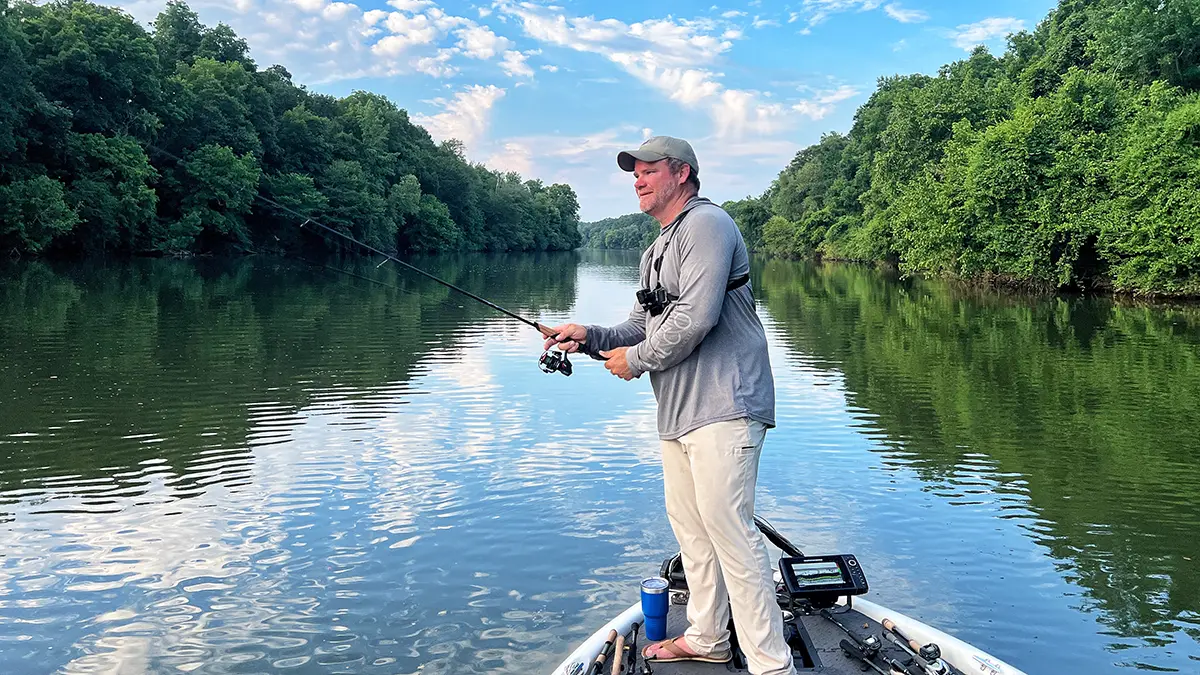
(549, 361)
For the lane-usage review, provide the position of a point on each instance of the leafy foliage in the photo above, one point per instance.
(631, 231)
(116, 139)
(1073, 160)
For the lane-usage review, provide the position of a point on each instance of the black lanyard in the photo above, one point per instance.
(677, 223)
(734, 283)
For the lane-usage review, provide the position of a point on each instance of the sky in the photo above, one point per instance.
(554, 90)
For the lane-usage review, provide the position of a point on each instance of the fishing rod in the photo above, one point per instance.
(598, 664)
(929, 656)
(869, 644)
(549, 362)
(633, 646)
(855, 651)
(868, 647)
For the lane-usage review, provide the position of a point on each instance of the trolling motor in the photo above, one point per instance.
(553, 361)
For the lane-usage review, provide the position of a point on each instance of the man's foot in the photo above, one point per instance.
(668, 651)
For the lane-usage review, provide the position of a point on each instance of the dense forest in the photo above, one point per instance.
(115, 138)
(631, 231)
(1073, 160)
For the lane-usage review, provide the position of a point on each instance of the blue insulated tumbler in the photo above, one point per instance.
(654, 607)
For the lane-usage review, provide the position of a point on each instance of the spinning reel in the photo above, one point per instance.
(553, 361)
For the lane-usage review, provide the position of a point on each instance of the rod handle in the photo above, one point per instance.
(618, 655)
(598, 664)
(890, 626)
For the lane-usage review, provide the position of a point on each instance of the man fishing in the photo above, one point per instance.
(695, 330)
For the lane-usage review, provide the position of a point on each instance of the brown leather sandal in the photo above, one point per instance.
(677, 654)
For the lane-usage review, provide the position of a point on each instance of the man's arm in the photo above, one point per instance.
(625, 334)
(705, 254)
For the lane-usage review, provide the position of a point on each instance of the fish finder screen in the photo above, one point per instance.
(812, 574)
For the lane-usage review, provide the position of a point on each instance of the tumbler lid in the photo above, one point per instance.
(654, 585)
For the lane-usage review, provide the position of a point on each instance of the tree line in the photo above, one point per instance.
(631, 231)
(1072, 160)
(119, 139)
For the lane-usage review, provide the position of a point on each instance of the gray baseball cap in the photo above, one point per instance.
(657, 148)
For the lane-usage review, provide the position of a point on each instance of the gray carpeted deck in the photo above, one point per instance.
(822, 638)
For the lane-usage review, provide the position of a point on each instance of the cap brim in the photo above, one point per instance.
(626, 159)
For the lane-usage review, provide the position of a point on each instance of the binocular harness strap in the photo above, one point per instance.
(734, 284)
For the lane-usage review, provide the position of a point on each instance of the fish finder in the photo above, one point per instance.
(819, 580)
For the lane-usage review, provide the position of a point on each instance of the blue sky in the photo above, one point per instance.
(554, 90)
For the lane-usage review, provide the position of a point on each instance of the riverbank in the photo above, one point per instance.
(1068, 161)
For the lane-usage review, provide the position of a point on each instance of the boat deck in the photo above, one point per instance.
(820, 635)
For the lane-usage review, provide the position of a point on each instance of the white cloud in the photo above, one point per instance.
(407, 31)
(899, 45)
(514, 64)
(905, 15)
(515, 156)
(310, 6)
(409, 5)
(438, 65)
(550, 68)
(967, 36)
(732, 14)
(484, 12)
(824, 102)
(335, 11)
(479, 42)
(671, 56)
(465, 117)
(444, 21)
(373, 17)
(732, 34)
(816, 11)
(762, 23)
(321, 41)
(739, 112)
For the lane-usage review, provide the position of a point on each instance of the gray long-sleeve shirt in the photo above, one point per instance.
(707, 353)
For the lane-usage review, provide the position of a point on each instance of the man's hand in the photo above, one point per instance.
(616, 364)
(568, 337)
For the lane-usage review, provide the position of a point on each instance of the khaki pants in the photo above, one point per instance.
(709, 476)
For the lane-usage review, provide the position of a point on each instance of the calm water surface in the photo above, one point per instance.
(257, 466)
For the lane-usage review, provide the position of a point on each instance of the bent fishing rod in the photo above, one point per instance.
(549, 361)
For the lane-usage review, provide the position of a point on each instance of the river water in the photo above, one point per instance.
(265, 466)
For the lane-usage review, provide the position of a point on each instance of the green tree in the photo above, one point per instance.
(222, 44)
(632, 231)
(1067, 162)
(431, 229)
(357, 205)
(95, 61)
(32, 213)
(177, 35)
(219, 186)
(17, 83)
(290, 199)
(157, 143)
(109, 189)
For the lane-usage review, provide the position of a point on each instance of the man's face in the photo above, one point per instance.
(655, 185)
